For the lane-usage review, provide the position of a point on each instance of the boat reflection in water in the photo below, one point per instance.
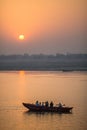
(58, 109)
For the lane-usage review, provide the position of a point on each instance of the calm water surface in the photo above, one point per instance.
(69, 88)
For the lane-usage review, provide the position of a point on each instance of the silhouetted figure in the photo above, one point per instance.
(42, 103)
(51, 104)
(37, 103)
(46, 103)
(60, 105)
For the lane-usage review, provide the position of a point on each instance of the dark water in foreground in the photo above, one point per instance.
(25, 86)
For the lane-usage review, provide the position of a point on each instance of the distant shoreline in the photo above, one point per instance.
(41, 62)
(65, 71)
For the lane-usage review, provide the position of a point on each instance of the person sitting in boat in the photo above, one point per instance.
(51, 104)
(37, 103)
(42, 104)
(60, 104)
(46, 103)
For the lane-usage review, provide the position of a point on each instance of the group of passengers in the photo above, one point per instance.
(44, 104)
(47, 104)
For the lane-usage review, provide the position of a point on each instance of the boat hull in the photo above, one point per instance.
(33, 107)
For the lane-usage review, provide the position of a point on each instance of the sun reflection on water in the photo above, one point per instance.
(22, 85)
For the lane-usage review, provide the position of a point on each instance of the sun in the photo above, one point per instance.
(21, 37)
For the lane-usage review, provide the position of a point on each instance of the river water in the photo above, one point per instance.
(16, 87)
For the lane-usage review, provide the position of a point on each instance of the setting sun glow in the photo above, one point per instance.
(21, 37)
(43, 26)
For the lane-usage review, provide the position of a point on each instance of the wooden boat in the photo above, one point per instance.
(34, 108)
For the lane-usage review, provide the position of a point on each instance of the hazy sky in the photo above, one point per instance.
(49, 26)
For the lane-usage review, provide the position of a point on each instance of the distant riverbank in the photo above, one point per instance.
(74, 62)
(44, 65)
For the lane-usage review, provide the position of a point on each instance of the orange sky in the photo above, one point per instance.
(41, 20)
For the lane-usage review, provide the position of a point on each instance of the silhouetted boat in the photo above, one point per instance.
(33, 107)
(67, 70)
